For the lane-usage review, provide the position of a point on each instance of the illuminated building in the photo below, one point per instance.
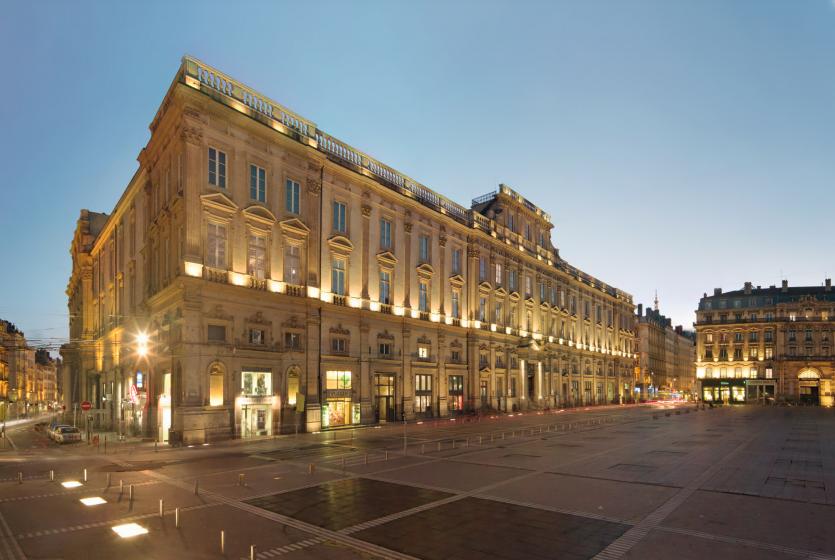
(759, 343)
(665, 356)
(288, 280)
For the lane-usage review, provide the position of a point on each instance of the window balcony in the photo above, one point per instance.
(339, 300)
(216, 275)
(294, 290)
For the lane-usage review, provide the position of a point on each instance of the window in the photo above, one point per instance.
(738, 372)
(257, 183)
(423, 351)
(498, 314)
(423, 296)
(752, 373)
(709, 338)
(256, 264)
(769, 336)
(456, 261)
(339, 220)
(753, 317)
(512, 280)
(293, 387)
(385, 287)
(482, 269)
(498, 274)
(292, 341)
(542, 293)
(339, 345)
(338, 277)
(291, 196)
(528, 286)
(217, 168)
(423, 248)
(769, 353)
(257, 336)
(456, 307)
(256, 383)
(292, 264)
(769, 373)
(456, 393)
(511, 223)
(753, 353)
(456, 356)
(737, 337)
(385, 348)
(482, 309)
(753, 336)
(216, 245)
(385, 234)
(217, 333)
(808, 336)
(338, 380)
(216, 386)
(792, 335)
(423, 394)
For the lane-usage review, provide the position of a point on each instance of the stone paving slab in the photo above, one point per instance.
(343, 503)
(609, 498)
(793, 524)
(661, 545)
(453, 475)
(479, 528)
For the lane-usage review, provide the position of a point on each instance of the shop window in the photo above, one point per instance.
(456, 393)
(256, 383)
(423, 394)
(338, 380)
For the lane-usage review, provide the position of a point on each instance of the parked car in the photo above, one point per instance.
(67, 434)
(53, 430)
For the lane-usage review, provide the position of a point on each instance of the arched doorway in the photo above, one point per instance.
(808, 381)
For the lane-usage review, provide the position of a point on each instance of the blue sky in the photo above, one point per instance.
(678, 145)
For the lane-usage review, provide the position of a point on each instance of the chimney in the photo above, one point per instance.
(748, 287)
(717, 291)
(827, 285)
(640, 309)
(785, 287)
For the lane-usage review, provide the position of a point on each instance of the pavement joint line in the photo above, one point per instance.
(97, 524)
(10, 544)
(623, 544)
(749, 543)
(67, 493)
(576, 513)
(295, 523)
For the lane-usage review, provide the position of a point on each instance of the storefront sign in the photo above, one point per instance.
(338, 394)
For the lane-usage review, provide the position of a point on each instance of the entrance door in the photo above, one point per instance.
(385, 398)
(164, 411)
(531, 374)
(256, 420)
(809, 394)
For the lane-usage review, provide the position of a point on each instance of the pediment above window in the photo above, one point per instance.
(425, 270)
(294, 227)
(456, 280)
(259, 216)
(341, 244)
(220, 202)
(514, 296)
(387, 259)
(501, 292)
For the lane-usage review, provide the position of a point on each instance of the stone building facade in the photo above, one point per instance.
(18, 386)
(260, 276)
(761, 343)
(666, 356)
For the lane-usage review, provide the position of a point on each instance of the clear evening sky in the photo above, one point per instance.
(679, 145)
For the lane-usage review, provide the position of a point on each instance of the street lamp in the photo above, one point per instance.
(142, 344)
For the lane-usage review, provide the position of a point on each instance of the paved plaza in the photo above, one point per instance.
(655, 481)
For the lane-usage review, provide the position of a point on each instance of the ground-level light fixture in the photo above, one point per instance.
(128, 530)
(94, 501)
(71, 484)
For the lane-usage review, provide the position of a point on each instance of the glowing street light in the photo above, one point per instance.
(142, 344)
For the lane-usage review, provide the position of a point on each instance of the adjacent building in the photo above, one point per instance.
(259, 276)
(666, 356)
(28, 383)
(761, 343)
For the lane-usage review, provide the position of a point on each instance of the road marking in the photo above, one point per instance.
(10, 544)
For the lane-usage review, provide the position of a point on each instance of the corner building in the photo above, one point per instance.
(761, 343)
(286, 280)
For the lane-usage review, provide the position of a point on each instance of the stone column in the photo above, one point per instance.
(406, 384)
(443, 392)
(312, 403)
(193, 177)
(366, 410)
(442, 285)
(366, 249)
(312, 211)
(407, 269)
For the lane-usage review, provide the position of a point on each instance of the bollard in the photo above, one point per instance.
(130, 493)
(155, 447)
(51, 476)
(252, 552)
(480, 440)
(366, 458)
(85, 475)
(311, 468)
(177, 518)
(502, 435)
(108, 480)
(453, 444)
(20, 478)
(161, 514)
(196, 487)
(387, 454)
(222, 541)
(121, 486)
(241, 480)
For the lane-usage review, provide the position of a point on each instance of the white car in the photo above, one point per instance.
(67, 434)
(53, 430)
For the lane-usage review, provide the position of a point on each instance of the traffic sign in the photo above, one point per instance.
(85, 406)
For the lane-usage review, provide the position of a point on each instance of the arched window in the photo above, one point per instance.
(217, 379)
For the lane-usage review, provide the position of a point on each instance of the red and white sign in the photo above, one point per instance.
(86, 406)
(134, 395)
